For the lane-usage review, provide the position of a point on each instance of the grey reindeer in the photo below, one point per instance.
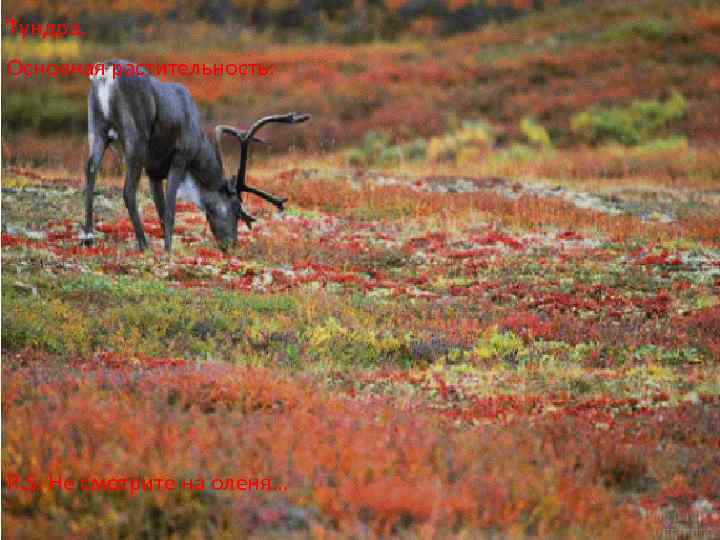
(156, 124)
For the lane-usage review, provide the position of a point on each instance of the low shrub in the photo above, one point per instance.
(639, 123)
(44, 112)
(535, 133)
(649, 29)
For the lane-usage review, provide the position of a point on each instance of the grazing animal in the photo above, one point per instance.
(157, 127)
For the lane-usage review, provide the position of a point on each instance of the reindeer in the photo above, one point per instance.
(157, 127)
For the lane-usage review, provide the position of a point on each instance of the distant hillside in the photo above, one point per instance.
(598, 57)
(317, 20)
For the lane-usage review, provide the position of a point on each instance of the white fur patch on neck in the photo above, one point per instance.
(105, 88)
(190, 191)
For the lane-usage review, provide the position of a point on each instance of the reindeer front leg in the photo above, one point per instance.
(178, 170)
(132, 178)
(158, 195)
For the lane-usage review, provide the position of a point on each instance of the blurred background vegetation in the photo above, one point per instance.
(395, 81)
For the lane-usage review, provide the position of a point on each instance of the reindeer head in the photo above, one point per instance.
(222, 211)
(228, 209)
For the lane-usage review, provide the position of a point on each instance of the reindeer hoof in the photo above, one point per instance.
(87, 239)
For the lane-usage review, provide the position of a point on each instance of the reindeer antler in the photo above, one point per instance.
(289, 118)
(230, 130)
(247, 137)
